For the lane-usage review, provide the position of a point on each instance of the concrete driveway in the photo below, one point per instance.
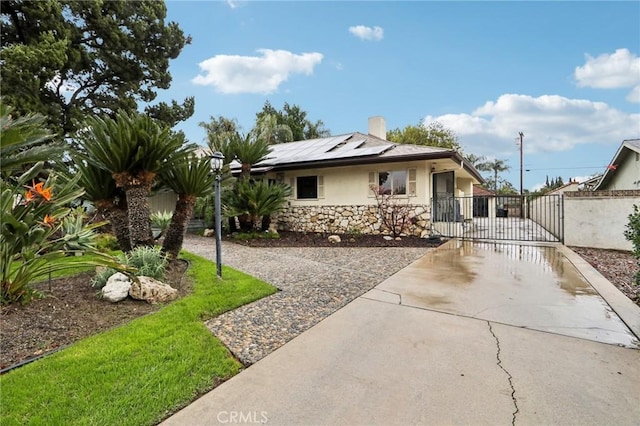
(472, 333)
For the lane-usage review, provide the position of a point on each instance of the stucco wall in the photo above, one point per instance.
(598, 218)
(350, 185)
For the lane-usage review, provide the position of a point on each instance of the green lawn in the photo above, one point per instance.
(138, 373)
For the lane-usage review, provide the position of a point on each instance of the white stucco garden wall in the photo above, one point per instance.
(598, 219)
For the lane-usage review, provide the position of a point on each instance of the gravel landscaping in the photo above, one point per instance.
(314, 282)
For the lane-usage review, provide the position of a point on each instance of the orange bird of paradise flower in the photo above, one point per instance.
(48, 220)
(38, 189)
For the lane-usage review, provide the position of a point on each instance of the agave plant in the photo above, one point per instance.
(189, 180)
(133, 148)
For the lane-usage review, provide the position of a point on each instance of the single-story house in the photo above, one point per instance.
(332, 180)
(624, 170)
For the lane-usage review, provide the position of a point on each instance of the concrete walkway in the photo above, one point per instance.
(468, 334)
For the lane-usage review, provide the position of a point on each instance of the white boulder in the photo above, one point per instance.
(208, 233)
(116, 288)
(152, 290)
(334, 239)
(388, 237)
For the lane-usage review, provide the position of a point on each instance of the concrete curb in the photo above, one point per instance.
(628, 311)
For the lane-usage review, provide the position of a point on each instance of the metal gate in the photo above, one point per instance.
(500, 217)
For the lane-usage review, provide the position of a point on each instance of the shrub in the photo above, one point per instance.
(147, 261)
(106, 243)
(632, 233)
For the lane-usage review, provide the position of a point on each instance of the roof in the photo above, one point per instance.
(352, 149)
(479, 191)
(570, 186)
(627, 146)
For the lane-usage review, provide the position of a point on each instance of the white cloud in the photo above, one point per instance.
(549, 123)
(367, 33)
(254, 74)
(233, 4)
(620, 69)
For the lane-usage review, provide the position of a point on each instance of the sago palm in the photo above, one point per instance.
(133, 148)
(251, 201)
(189, 180)
(249, 151)
(109, 200)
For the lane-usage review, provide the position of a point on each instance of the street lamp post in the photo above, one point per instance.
(217, 160)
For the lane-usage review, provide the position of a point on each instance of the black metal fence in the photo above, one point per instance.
(513, 217)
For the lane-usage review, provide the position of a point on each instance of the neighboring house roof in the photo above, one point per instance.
(571, 186)
(479, 191)
(351, 149)
(627, 146)
(591, 183)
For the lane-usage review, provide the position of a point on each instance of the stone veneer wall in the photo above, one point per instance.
(345, 219)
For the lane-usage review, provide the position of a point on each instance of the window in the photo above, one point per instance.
(307, 187)
(393, 182)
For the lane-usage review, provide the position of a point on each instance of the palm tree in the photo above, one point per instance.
(133, 148)
(268, 129)
(251, 201)
(496, 166)
(475, 160)
(24, 141)
(110, 201)
(189, 180)
(248, 152)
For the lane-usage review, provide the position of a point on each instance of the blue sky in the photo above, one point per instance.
(566, 74)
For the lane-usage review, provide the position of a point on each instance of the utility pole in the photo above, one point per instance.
(521, 191)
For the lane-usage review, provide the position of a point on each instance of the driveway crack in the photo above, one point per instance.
(509, 376)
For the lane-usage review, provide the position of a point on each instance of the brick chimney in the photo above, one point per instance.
(378, 127)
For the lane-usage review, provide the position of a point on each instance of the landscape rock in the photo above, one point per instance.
(116, 288)
(334, 239)
(388, 237)
(398, 239)
(208, 233)
(152, 290)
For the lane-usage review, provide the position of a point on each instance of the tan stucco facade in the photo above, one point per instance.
(344, 193)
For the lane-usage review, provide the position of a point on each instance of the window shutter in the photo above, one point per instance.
(372, 183)
(320, 186)
(292, 184)
(411, 182)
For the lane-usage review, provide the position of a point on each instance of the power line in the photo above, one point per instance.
(569, 168)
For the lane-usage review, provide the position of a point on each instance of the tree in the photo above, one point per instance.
(435, 134)
(475, 160)
(109, 201)
(66, 59)
(268, 129)
(496, 166)
(293, 116)
(252, 201)
(189, 180)
(133, 148)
